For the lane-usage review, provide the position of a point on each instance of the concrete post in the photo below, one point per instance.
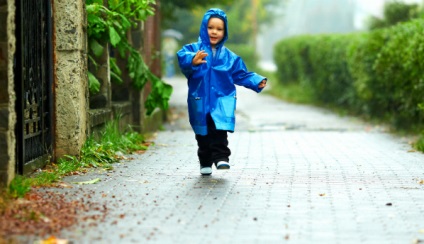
(70, 76)
(7, 93)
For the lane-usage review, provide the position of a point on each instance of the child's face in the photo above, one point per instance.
(216, 30)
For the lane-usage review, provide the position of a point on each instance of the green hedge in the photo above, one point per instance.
(379, 74)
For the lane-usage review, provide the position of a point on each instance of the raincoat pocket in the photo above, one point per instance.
(228, 106)
(196, 110)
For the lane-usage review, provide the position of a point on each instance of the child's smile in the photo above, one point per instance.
(216, 30)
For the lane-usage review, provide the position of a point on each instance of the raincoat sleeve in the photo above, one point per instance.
(242, 77)
(185, 58)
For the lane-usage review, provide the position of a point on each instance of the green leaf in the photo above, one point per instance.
(93, 83)
(116, 78)
(96, 47)
(93, 181)
(114, 66)
(92, 8)
(110, 25)
(114, 36)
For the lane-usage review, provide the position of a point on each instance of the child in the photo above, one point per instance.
(212, 71)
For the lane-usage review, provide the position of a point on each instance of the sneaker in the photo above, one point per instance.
(222, 165)
(205, 170)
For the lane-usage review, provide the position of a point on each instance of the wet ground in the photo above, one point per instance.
(298, 174)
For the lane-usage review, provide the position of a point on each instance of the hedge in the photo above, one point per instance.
(379, 74)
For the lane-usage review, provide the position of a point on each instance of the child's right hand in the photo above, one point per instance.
(199, 57)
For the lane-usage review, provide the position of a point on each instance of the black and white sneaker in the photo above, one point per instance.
(222, 165)
(205, 170)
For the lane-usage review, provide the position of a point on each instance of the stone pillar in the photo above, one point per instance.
(152, 56)
(136, 96)
(152, 42)
(7, 93)
(70, 76)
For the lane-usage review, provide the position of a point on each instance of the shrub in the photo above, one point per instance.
(377, 74)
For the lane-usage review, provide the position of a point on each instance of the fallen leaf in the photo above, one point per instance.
(94, 181)
(64, 185)
(52, 240)
(421, 182)
(322, 194)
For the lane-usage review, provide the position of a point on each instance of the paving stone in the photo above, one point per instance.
(328, 180)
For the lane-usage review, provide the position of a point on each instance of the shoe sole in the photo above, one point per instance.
(221, 167)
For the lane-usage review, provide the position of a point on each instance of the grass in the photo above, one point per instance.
(297, 93)
(292, 92)
(419, 144)
(102, 152)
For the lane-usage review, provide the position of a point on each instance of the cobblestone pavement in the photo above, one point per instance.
(298, 175)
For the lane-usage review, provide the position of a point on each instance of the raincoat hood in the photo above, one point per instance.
(215, 13)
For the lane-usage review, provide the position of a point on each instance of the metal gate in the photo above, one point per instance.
(33, 82)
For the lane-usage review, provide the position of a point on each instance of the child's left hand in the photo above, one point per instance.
(262, 84)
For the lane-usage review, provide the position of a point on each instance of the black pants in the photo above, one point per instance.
(213, 147)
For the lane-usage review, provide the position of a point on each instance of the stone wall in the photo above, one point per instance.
(70, 76)
(7, 94)
(73, 120)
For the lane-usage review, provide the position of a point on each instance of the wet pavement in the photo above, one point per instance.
(298, 174)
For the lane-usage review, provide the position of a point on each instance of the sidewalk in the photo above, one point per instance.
(298, 175)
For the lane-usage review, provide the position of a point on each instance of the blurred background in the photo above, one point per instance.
(357, 57)
(256, 25)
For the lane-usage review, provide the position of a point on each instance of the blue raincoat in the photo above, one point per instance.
(211, 86)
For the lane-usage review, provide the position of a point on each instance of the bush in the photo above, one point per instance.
(394, 13)
(399, 68)
(377, 74)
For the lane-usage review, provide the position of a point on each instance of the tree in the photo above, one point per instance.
(394, 12)
(169, 8)
(187, 17)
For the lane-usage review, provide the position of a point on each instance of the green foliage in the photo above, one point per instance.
(93, 83)
(419, 144)
(394, 12)
(362, 55)
(115, 71)
(111, 25)
(95, 153)
(114, 140)
(293, 92)
(331, 79)
(19, 187)
(377, 75)
(102, 152)
(170, 9)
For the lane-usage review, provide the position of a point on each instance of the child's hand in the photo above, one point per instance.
(262, 84)
(198, 58)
